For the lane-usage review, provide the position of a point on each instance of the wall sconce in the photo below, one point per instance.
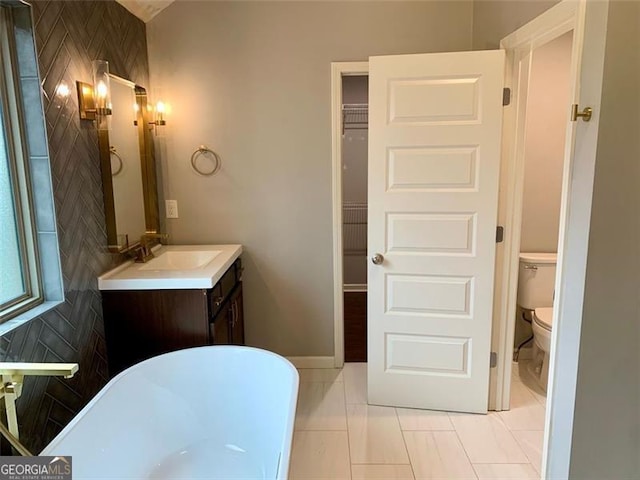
(94, 101)
(159, 120)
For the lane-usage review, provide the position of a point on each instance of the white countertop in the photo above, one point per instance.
(142, 276)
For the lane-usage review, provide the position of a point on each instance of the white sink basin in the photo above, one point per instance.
(189, 260)
(175, 267)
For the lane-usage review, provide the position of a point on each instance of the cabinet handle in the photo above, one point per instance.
(218, 301)
(234, 315)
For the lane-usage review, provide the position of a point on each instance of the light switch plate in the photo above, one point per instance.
(171, 207)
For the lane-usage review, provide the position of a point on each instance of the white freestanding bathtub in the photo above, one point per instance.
(220, 412)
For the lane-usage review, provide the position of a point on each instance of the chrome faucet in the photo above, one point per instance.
(143, 252)
(13, 374)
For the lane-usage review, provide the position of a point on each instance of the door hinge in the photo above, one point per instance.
(499, 234)
(506, 96)
(493, 360)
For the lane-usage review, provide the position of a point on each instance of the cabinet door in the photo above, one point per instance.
(141, 324)
(220, 331)
(237, 316)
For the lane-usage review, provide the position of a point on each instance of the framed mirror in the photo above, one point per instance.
(128, 167)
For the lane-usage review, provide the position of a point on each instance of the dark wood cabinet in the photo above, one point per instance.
(227, 327)
(237, 318)
(219, 328)
(140, 324)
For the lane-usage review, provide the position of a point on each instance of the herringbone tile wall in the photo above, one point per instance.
(69, 35)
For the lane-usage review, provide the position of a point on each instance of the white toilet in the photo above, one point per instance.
(536, 284)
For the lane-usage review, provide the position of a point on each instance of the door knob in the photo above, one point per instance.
(377, 259)
(585, 114)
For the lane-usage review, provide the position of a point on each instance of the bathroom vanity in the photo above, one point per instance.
(187, 296)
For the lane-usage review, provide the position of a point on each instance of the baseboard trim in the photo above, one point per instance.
(312, 362)
(354, 287)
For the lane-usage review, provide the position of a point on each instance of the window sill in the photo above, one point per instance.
(30, 314)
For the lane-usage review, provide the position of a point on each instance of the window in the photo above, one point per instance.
(19, 276)
(30, 282)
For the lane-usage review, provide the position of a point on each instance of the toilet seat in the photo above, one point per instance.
(544, 317)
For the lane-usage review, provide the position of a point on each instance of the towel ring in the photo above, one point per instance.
(112, 151)
(204, 150)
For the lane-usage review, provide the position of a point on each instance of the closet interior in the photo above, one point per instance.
(355, 117)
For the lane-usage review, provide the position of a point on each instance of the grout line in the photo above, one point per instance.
(404, 442)
(464, 449)
(501, 463)
(346, 417)
(537, 477)
(326, 386)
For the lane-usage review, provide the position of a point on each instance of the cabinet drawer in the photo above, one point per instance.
(228, 281)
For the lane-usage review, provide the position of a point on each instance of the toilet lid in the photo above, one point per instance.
(544, 317)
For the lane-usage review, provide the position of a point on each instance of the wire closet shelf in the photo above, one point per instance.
(355, 116)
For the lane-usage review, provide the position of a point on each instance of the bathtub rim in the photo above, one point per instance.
(285, 450)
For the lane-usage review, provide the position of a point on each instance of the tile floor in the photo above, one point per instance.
(338, 436)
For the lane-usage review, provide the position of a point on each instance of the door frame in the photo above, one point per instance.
(519, 47)
(339, 70)
(588, 20)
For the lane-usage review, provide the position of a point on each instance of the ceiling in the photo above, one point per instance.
(145, 10)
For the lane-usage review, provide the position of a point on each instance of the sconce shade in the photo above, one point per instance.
(101, 87)
(94, 101)
(160, 109)
(159, 120)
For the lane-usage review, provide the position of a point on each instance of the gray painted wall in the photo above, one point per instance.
(547, 116)
(354, 144)
(606, 428)
(495, 19)
(252, 81)
(355, 89)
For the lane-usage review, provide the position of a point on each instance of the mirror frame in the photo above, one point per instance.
(148, 167)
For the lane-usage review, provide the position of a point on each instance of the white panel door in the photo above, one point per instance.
(434, 156)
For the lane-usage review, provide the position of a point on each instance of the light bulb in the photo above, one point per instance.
(101, 90)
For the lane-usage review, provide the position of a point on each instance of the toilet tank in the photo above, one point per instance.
(536, 280)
